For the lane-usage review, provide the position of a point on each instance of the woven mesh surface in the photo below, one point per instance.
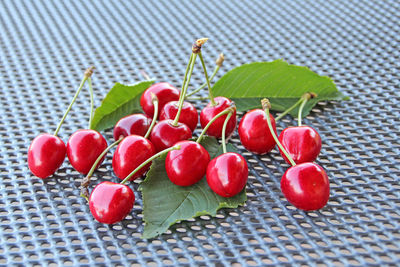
(46, 45)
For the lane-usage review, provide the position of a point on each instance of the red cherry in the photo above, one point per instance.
(111, 202)
(187, 165)
(254, 132)
(165, 93)
(210, 111)
(227, 174)
(302, 142)
(188, 115)
(45, 155)
(165, 134)
(130, 153)
(306, 186)
(83, 148)
(132, 124)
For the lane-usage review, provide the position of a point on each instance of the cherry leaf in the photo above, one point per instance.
(120, 101)
(165, 203)
(283, 84)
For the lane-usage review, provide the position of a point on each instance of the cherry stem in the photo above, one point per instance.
(224, 130)
(153, 122)
(86, 76)
(210, 95)
(147, 161)
(222, 113)
(289, 109)
(144, 74)
(266, 106)
(303, 103)
(86, 181)
(185, 85)
(91, 101)
(304, 97)
(216, 69)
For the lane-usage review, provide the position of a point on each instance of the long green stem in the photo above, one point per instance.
(216, 69)
(149, 160)
(266, 106)
(155, 115)
(86, 181)
(91, 101)
(303, 103)
(224, 131)
(94, 166)
(222, 113)
(283, 114)
(188, 75)
(70, 105)
(208, 81)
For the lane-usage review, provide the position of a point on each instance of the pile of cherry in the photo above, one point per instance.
(140, 139)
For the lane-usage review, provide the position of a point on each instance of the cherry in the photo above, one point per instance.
(303, 143)
(83, 148)
(111, 202)
(130, 153)
(188, 116)
(165, 134)
(45, 155)
(254, 132)
(210, 111)
(188, 165)
(227, 174)
(306, 186)
(165, 93)
(132, 124)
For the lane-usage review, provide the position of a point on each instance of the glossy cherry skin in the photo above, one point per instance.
(302, 142)
(165, 135)
(188, 115)
(187, 165)
(165, 93)
(130, 153)
(227, 174)
(210, 111)
(254, 132)
(45, 155)
(306, 186)
(83, 148)
(132, 124)
(111, 202)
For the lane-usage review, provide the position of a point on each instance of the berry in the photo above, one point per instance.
(210, 111)
(187, 165)
(132, 124)
(83, 148)
(254, 132)
(303, 143)
(165, 134)
(130, 153)
(165, 93)
(45, 155)
(306, 186)
(227, 174)
(111, 202)
(188, 114)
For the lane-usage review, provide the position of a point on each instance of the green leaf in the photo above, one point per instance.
(283, 84)
(122, 100)
(165, 203)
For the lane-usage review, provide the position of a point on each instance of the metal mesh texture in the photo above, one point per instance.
(45, 47)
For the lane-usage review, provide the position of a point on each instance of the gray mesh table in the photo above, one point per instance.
(46, 45)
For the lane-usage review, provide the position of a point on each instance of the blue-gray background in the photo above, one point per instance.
(46, 45)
